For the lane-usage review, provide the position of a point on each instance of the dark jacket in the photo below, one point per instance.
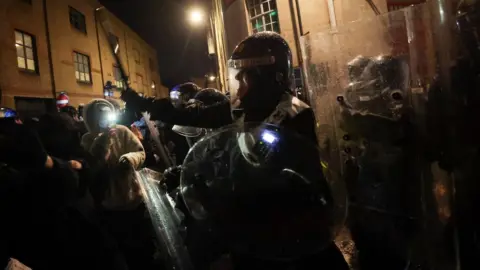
(300, 118)
(46, 228)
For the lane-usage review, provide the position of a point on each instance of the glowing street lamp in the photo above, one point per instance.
(196, 16)
(211, 78)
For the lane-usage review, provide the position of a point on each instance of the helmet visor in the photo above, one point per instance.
(251, 62)
(189, 132)
(176, 98)
(236, 79)
(233, 86)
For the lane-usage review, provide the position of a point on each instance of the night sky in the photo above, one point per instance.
(181, 48)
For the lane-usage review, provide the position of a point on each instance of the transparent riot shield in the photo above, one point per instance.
(395, 101)
(166, 221)
(160, 148)
(266, 196)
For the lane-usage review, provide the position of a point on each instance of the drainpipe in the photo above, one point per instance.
(296, 15)
(295, 33)
(98, 45)
(299, 18)
(331, 13)
(374, 7)
(49, 50)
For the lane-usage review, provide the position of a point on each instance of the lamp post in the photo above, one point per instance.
(198, 18)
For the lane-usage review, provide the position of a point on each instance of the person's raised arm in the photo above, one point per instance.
(196, 114)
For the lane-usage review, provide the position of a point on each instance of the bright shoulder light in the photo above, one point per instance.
(268, 137)
(174, 94)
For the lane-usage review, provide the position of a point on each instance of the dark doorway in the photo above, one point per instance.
(28, 107)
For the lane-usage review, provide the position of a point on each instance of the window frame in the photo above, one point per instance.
(251, 6)
(89, 66)
(24, 51)
(73, 11)
(118, 83)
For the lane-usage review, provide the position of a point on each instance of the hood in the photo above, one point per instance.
(91, 113)
(189, 132)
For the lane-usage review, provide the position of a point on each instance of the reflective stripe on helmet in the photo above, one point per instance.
(251, 62)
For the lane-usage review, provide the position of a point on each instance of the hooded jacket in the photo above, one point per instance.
(114, 185)
(123, 144)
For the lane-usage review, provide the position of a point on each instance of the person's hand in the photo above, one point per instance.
(134, 102)
(101, 148)
(112, 132)
(76, 165)
(49, 163)
(124, 164)
(129, 95)
(171, 178)
(137, 132)
(107, 155)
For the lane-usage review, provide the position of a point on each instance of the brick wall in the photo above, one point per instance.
(27, 18)
(64, 40)
(314, 14)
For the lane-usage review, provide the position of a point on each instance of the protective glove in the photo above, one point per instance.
(20, 147)
(171, 178)
(134, 102)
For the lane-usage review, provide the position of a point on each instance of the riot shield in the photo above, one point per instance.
(166, 221)
(394, 105)
(266, 195)
(160, 148)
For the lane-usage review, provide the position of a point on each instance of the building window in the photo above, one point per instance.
(140, 83)
(263, 15)
(26, 55)
(82, 67)
(77, 20)
(118, 82)
(151, 64)
(136, 56)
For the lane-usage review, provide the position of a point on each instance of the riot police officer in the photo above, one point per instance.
(261, 73)
(181, 96)
(265, 209)
(183, 93)
(374, 139)
(260, 80)
(206, 97)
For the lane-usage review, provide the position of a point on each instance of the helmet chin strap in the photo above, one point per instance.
(259, 106)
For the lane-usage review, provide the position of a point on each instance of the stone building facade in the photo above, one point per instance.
(52, 46)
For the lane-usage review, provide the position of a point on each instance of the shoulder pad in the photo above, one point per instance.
(288, 107)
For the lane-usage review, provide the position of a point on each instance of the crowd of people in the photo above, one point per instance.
(69, 186)
(250, 195)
